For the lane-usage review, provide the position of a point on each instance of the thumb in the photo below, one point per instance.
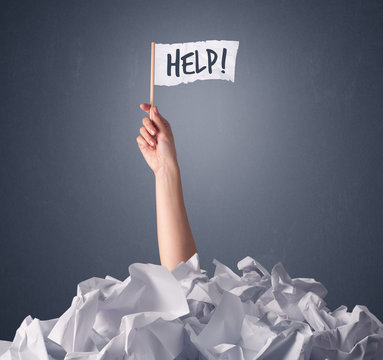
(157, 118)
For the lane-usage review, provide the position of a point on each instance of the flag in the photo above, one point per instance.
(191, 61)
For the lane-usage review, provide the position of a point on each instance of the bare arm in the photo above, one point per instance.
(175, 238)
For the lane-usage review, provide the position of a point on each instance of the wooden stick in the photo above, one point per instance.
(152, 78)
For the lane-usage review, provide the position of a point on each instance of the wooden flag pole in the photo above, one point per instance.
(152, 79)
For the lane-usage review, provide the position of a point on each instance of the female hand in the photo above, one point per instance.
(156, 141)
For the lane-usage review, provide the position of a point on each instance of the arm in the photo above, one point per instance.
(175, 239)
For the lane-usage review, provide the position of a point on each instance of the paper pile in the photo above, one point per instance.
(163, 315)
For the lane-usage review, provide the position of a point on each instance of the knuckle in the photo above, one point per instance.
(165, 122)
(151, 129)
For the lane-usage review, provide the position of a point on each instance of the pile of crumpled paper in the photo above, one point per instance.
(184, 314)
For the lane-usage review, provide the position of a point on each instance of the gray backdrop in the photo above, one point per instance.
(285, 164)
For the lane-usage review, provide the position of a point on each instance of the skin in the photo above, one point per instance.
(156, 142)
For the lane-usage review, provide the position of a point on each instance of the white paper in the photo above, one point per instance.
(185, 315)
(201, 60)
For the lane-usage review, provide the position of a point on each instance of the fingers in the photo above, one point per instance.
(149, 126)
(145, 107)
(155, 116)
(142, 143)
(148, 138)
(158, 120)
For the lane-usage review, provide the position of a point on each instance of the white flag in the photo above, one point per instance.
(188, 62)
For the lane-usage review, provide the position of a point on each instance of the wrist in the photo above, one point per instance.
(168, 169)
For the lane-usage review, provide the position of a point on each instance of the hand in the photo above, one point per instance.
(156, 141)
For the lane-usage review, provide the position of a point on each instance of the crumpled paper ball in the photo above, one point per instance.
(183, 314)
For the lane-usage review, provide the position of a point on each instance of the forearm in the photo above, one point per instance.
(175, 239)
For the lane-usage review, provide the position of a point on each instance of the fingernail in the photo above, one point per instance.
(152, 132)
(155, 109)
(151, 142)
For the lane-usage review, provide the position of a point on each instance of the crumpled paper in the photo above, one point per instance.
(184, 314)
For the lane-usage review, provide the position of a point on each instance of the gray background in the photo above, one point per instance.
(285, 164)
